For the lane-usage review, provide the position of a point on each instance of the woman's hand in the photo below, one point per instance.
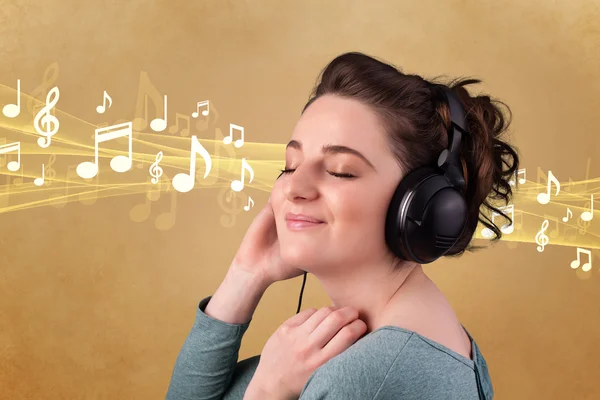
(259, 253)
(299, 346)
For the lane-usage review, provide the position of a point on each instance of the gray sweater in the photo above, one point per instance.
(388, 363)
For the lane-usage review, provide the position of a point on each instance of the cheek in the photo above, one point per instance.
(358, 207)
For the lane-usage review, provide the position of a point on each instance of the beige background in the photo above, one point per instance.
(94, 305)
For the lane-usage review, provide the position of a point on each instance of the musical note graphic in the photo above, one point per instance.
(50, 76)
(18, 180)
(155, 170)
(118, 163)
(247, 207)
(6, 148)
(236, 185)
(174, 128)
(569, 215)
(183, 182)
(50, 172)
(13, 110)
(39, 181)
(223, 157)
(145, 89)
(544, 198)
(49, 122)
(541, 238)
(166, 220)
(229, 202)
(159, 124)
(588, 215)
(585, 267)
(204, 112)
(522, 180)
(101, 108)
(506, 228)
(239, 142)
(140, 212)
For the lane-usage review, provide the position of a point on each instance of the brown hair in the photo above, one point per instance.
(414, 113)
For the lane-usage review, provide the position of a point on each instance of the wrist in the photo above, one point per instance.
(236, 299)
(253, 280)
(258, 390)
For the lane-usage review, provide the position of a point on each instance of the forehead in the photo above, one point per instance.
(341, 121)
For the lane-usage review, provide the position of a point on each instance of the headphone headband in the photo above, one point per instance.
(449, 159)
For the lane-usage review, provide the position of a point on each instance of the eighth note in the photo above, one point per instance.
(155, 170)
(183, 182)
(585, 267)
(247, 207)
(236, 185)
(39, 181)
(239, 142)
(541, 238)
(101, 108)
(569, 212)
(544, 198)
(6, 148)
(204, 112)
(120, 163)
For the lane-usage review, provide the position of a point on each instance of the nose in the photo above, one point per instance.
(300, 184)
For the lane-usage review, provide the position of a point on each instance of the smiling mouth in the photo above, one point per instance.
(295, 224)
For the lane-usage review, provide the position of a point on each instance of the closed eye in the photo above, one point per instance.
(343, 176)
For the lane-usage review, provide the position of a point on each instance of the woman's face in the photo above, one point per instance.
(353, 209)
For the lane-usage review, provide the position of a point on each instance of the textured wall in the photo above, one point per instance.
(99, 284)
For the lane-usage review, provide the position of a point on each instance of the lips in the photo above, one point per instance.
(302, 218)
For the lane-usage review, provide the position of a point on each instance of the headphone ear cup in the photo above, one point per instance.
(426, 216)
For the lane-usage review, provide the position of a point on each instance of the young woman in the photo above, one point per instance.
(390, 333)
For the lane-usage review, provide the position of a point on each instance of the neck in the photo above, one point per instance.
(371, 289)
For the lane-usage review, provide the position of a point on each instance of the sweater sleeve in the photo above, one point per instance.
(206, 367)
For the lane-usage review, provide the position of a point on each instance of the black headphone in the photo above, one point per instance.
(428, 211)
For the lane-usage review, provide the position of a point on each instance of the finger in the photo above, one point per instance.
(331, 325)
(299, 318)
(264, 222)
(317, 318)
(344, 339)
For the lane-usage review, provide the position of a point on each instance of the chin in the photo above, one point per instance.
(301, 255)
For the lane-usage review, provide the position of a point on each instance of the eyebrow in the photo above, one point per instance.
(332, 149)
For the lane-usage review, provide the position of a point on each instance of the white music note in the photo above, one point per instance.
(239, 142)
(250, 201)
(183, 182)
(204, 112)
(522, 180)
(586, 266)
(13, 110)
(118, 163)
(236, 185)
(544, 198)
(569, 215)
(101, 108)
(6, 148)
(39, 181)
(588, 215)
(159, 124)
(506, 228)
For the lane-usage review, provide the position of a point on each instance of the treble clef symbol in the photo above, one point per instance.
(541, 238)
(49, 123)
(155, 169)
